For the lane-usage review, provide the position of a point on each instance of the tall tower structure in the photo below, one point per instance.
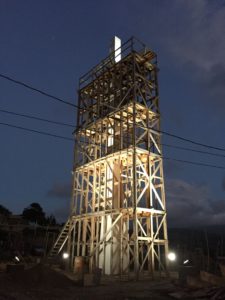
(118, 209)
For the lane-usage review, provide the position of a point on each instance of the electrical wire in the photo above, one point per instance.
(70, 139)
(192, 150)
(191, 141)
(168, 134)
(37, 131)
(72, 126)
(76, 106)
(194, 163)
(42, 132)
(37, 90)
(35, 118)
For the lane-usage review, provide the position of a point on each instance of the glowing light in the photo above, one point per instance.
(17, 258)
(117, 49)
(110, 138)
(65, 255)
(186, 261)
(172, 256)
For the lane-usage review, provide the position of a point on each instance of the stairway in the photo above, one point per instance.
(60, 241)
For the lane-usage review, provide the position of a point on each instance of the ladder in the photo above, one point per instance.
(60, 241)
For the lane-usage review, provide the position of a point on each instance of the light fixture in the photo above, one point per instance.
(186, 261)
(65, 255)
(17, 258)
(117, 49)
(171, 256)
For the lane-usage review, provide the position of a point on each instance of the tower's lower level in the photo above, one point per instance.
(118, 221)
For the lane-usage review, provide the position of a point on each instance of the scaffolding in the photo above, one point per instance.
(118, 211)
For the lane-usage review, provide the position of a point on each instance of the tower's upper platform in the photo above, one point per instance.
(112, 84)
(131, 46)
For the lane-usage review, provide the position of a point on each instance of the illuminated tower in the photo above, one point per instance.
(118, 212)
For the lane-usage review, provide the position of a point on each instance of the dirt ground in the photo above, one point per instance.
(42, 282)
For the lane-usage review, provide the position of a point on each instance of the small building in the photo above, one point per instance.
(13, 223)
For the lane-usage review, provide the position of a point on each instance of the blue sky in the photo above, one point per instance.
(50, 44)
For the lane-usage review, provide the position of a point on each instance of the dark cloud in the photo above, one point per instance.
(197, 40)
(192, 205)
(218, 206)
(62, 212)
(223, 183)
(197, 46)
(217, 78)
(213, 84)
(60, 190)
(172, 168)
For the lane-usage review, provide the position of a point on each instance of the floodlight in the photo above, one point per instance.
(65, 255)
(172, 256)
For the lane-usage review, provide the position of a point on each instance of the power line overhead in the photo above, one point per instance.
(36, 118)
(37, 90)
(86, 109)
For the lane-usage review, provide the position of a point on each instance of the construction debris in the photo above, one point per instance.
(212, 279)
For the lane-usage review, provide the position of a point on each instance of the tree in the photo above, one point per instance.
(51, 220)
(4, 211)
(34, 213)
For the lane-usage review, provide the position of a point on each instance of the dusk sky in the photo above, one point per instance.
(49, 44)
